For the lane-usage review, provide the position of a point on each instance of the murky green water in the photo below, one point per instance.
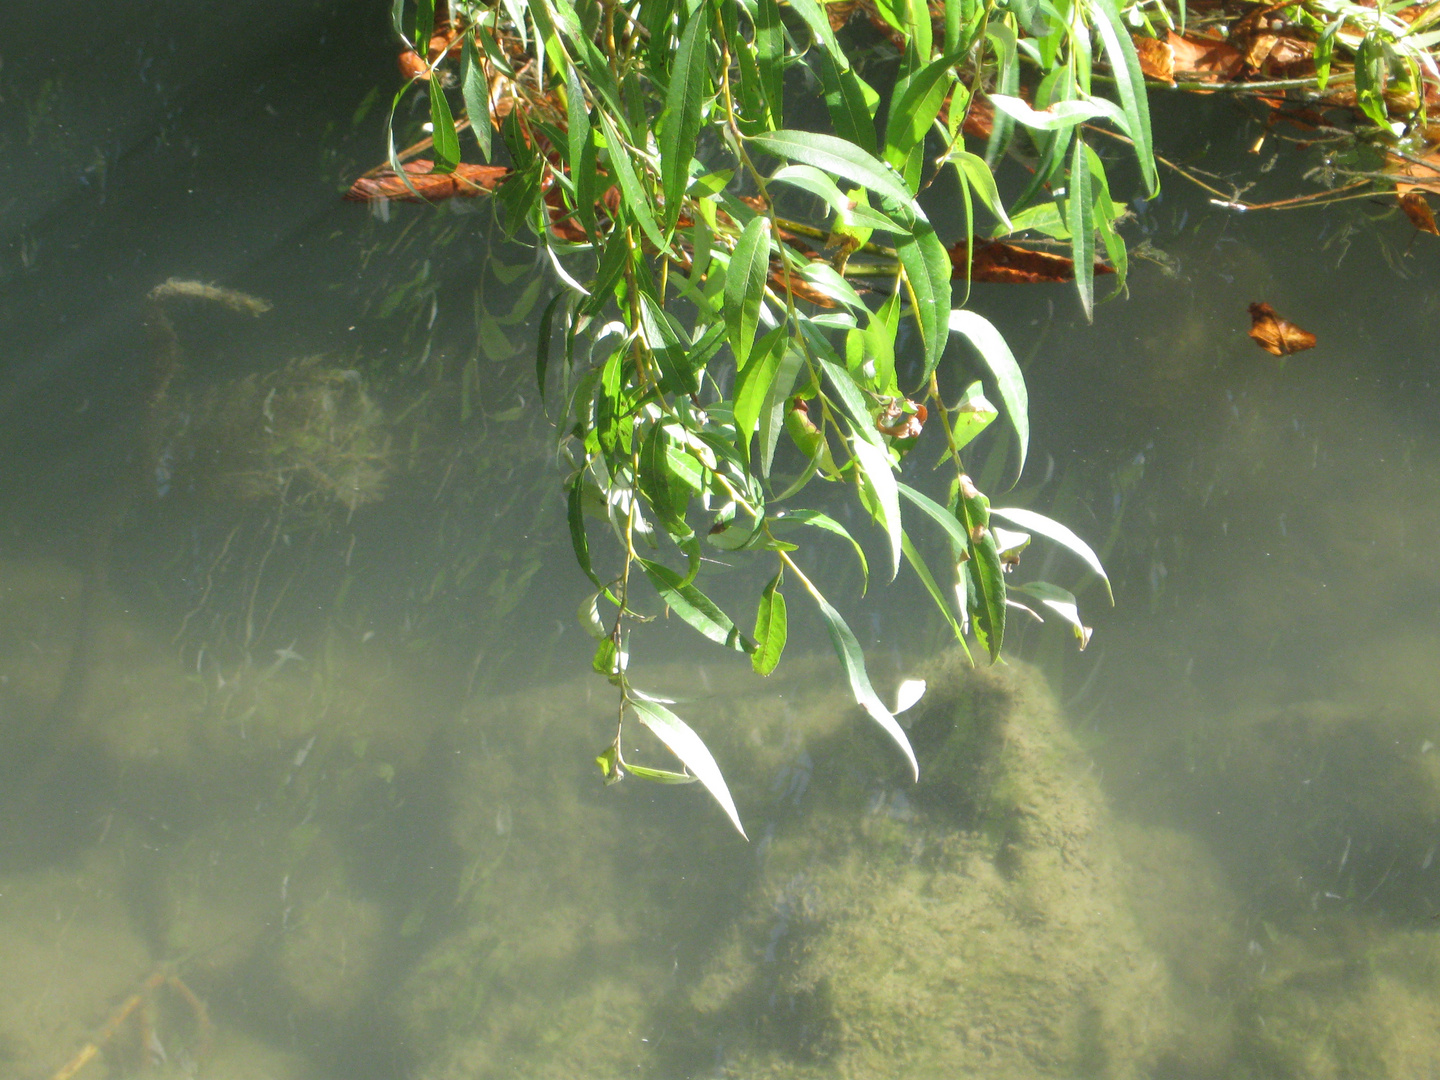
(320, 792)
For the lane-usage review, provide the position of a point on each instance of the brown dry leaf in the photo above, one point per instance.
(1417, 172)
(1156, 59)
(997, 262)
(839, 14)
(1274, 334)
(979, 118)
(466, 181)
(1417, 209)
(1199, 59)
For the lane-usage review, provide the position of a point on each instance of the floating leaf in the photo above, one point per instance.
(1417, 209)
(1276, 335)
(422, 182)
(690, 749)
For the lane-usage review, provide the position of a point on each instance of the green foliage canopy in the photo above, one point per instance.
(652, 146)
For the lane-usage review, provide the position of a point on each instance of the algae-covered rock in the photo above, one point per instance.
(978, 925)
(980, 929)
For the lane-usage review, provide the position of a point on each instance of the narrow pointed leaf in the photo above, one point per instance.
(817, 520)
(689, 83)
(445, 142)
(637, 203)
(745, 286)
(928, 270)
(875, 466)
(1051, 529)
(852, 659)
(1001, 362)
(830, 154)
(1080, 216)
(1130, 82)
(697, 609)
(771, 629)
(690, 749)
(477, 94)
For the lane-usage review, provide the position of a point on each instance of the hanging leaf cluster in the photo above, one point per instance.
(751, 304)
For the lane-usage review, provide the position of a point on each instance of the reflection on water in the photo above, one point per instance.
(294, 733)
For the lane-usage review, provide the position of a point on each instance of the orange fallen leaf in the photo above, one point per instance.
(1417, 209)
(997, 262)
(1156, 59)
(1199, 59)
(465, 181)
(1276, 335)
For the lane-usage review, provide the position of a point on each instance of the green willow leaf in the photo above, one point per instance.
(697, 609)
(1080, 216)
(690, 749)
(542, 343)
(911, 116)
(1001, 362)
(575, 514)
(928, 269)
(972, 416)
(959, 540)
(424, 24)
(680, 126)
(1105, 217)
(987, 579)
(770, 628)
(1063, 603)
(852, 109)
(1061, 116)
(981, 180)
(878, 473)
(476, 94)
(808, 178)
(445, 142)
(581, 142)
(668, 345)
(754, 382)
(819, 25)
(637, 202)
(745, 287)
(816, 520)
(658, 776)
(922, 571)
(397, 17)
(852, 659)
(1061, 534)
(770, 57)
(1130, 82)
(829, 154)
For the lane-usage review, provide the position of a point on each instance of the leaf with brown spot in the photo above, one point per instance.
(1417, 209)
(466, 181)
(1276, 335)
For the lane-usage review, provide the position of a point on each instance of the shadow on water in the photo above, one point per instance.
(330, 769)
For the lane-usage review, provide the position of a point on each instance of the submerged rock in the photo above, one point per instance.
(981, 929)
